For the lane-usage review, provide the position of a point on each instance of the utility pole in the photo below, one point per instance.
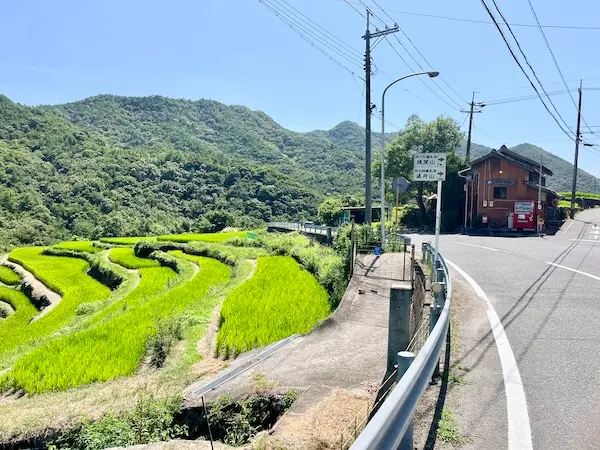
(368, 110)
(539, 202)
(577, 139)
(470, 112)
(468, 152)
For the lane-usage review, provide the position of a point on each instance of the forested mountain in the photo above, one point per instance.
(58, 179)
(206, 126)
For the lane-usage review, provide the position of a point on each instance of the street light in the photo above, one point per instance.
(382, 218)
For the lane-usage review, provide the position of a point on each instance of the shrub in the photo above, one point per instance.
(87, 308)
(159, 344)
(151, 421)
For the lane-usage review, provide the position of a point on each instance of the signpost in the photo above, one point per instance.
(432, 167)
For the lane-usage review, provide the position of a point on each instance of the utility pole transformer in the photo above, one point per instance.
(368, 110)
(577, 139)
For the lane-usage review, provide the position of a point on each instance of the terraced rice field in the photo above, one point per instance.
(279, 300)
(8, 277)
(94, 335)
(79, 246)
(126, 240)
(116, 347)
(206, 237)
(125, 257)
(68, 277)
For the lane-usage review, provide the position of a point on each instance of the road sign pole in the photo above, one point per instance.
(438, 221)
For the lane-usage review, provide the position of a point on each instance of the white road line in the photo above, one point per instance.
(575, 270)
(570, 225)
(586, 240)
(478, 246)
(519, 429)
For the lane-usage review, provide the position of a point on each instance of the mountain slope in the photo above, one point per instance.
(204, 126)
(58, 179)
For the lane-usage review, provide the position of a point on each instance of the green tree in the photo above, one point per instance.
(440, 135)
(328, 210)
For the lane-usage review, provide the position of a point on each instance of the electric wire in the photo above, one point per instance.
(528, 63)
(514, 56)
(562, 77)
(312, 32)
(419, 52)
(302, 34)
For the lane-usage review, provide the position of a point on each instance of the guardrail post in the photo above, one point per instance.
(399, 321)
(434, 315)
(405, 359)
(423, 251)
(439, 275)
(328, 234)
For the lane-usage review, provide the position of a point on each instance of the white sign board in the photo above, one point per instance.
(429, 167)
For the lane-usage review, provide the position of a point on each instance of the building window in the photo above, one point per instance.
(500, 192)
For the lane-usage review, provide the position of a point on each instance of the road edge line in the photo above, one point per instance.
(519, 427)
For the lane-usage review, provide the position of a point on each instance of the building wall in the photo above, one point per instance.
(496, 170)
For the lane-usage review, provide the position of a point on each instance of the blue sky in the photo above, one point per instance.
(238, 52)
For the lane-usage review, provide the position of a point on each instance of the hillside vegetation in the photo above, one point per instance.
(149, 166)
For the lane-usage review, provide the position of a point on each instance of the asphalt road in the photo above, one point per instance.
(546, 292)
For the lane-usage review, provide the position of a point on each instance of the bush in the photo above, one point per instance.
(159, 344)
(151, 421)
(87, 308)
(5, 310)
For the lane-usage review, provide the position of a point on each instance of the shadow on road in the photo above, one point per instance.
(441, 400)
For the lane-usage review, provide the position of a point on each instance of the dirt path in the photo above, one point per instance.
(210, 364)
(39, 289)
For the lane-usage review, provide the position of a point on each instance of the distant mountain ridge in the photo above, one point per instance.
(352, 135)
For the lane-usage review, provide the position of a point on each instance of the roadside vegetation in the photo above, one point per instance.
(8, 276)
(281, 299)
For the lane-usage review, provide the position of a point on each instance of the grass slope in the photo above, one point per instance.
(206, 237)
(115, 347)
(7, 276)
(64, 275)
(279, 300)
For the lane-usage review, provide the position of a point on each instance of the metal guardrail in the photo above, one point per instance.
(392, 425)
(310, 229)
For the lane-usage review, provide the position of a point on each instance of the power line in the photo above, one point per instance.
(402, 58)
(486, 22)
(529, 64)
(562, 77)
(303, 34)
(335, 38)
(521, 67)
(420, 54)
(313, 32)
(523, 98)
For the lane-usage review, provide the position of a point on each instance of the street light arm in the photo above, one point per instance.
(431, 74)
